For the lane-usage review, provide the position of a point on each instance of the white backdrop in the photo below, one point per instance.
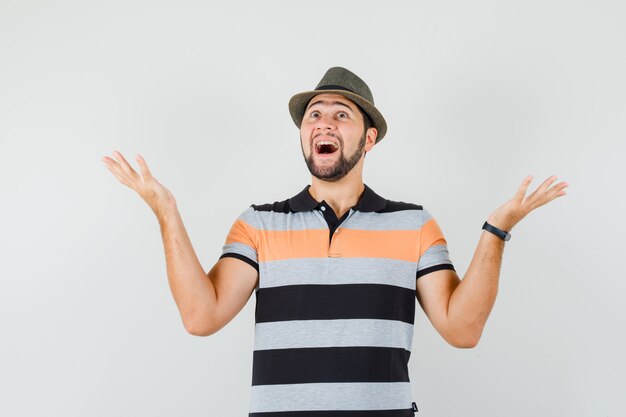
(477, 95)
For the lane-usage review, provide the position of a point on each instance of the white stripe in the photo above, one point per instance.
(435, 255)
(330, 396)
(329, 271)
(331, 333)
(241, 249)
(314, 220)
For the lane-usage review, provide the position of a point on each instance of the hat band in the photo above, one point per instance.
(333, 87)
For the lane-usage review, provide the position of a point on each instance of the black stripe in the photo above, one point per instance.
(390, 206)
(333, 87)
(369, 201)
(276, 206)
(243, 258)
(405, 412)
(393, 206)
(330, 364)
(342, 301)
(433, 269)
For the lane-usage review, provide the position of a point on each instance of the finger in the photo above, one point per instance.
(108, 161)
(521, 191)
(126, 177)
(543, 187)
(117, 172)
(538, 193)
(143, 166)
(112, 164)
(551, 194)
(558, 190)
(124, 163)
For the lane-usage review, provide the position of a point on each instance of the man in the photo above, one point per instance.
(336, 269)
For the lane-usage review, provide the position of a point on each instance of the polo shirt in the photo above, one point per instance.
(335, 303)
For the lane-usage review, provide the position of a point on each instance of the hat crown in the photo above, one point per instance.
(342, 78)
(339, 80)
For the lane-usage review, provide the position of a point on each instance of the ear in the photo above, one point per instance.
(370, 139)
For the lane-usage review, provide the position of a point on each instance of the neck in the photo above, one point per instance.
(340, 195)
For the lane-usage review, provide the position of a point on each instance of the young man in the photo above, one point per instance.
(336, 269)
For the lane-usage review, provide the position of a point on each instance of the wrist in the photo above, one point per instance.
(166, 211)
(501, 234)
(499, 223)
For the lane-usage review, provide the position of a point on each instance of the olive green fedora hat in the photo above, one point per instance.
(339, 80)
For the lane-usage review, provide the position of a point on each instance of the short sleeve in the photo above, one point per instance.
(241, 241)
(434, 254)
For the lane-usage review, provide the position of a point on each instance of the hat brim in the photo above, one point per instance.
(298, 103)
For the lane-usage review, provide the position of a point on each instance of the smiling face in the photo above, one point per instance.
(333, 136)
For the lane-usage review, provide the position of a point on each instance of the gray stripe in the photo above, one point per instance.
(269, 220)
(249, 216)
(241, 249)
(435, 255)
(330, 396)
(337, 271)
(330, 333)
(398, 220)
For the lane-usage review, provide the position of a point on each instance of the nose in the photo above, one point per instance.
(325, 122)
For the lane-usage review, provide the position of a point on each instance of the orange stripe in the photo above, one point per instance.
(242, 232)
(431, 235)
(393, 244)
(287, 244)
(402, 245)
(272, 245)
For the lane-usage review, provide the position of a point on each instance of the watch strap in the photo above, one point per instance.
(504, 235)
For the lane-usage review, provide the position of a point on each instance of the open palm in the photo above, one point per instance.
(518, 207)
(152, 191)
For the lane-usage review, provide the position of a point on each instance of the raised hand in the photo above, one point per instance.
(153, 192)
(514, 210)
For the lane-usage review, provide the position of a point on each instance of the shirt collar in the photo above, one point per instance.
(368, 201)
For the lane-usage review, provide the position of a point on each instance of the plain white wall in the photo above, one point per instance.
(477, 95)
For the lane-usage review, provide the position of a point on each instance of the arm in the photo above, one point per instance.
(205, 304)
(459, 309)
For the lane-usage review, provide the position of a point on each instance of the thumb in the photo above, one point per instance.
(521, 191)
(143, 167)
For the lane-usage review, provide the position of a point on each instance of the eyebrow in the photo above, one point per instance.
(326, 101)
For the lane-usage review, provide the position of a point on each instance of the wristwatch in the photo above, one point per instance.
(500, 233)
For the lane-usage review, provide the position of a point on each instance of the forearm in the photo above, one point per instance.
(472, 300)
(193, 291)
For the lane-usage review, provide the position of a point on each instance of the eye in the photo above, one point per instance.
(342, 115)
(313, 113)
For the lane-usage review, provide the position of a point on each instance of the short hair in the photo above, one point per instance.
(367, 122)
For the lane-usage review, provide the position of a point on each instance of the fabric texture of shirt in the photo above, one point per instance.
(335, 303)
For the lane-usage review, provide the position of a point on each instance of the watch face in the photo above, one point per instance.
(507, 237)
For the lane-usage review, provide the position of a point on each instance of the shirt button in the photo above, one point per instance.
(323, 208)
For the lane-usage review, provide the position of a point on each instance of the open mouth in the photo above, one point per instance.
(326, 147)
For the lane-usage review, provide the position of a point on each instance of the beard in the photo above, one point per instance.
(340, 168)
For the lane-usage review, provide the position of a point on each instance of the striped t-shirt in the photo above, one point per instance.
(335, 303)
